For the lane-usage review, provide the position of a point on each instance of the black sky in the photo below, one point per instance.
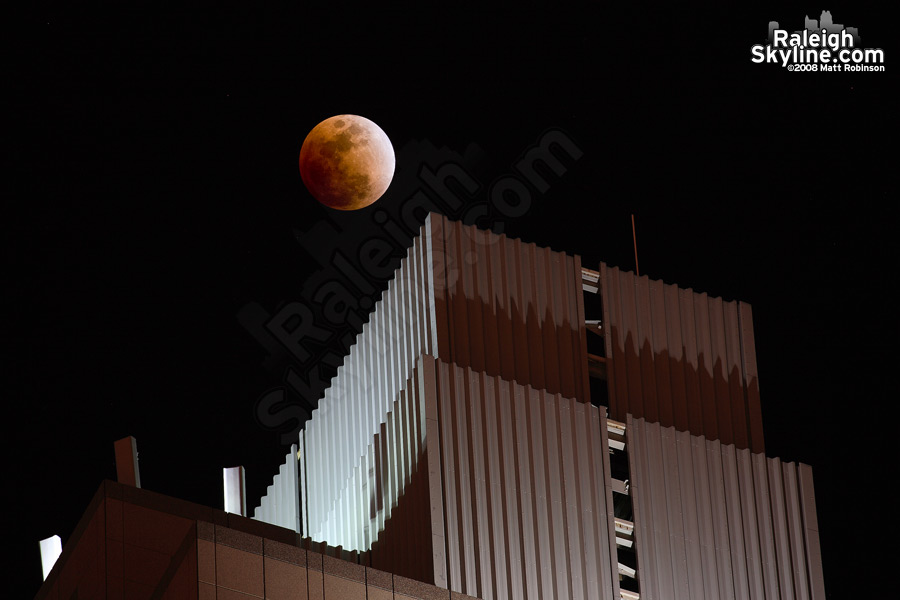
(155, 193)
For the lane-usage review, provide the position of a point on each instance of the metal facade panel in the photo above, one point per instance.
(357, 403)
(795, 531)
(638, 468)
(592, 484)
(691, 360)
(678, 370)
(721, 375)
(749, 525)
(680, 358)
(659, 339)
(281, 504)
(738, 408)
(712, 521)
(355, 518)
(675, 517)
(780, 530)
(467, 296)
(510, 507)
(750, 377)
(497, 509)
(708, 405)
(598, 446)
(474, 298)
(557, 525)
(500, 296)
(811, 531)
(528, 494)
(465, 479)
(691, 509)
(766, 526)
(644, 339)
(705, 523)
(531, 526)
(484, 550)
(615, 370)
(659, 511)
(540, 490)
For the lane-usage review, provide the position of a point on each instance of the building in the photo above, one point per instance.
(511, 424)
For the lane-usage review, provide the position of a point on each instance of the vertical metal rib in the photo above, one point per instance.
(681, 359)
(713, 521)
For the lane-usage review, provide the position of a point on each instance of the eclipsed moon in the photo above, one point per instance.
(347, 162)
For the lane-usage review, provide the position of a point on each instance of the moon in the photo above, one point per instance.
(347, 162)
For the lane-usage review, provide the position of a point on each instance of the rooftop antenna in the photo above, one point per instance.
(634, 237)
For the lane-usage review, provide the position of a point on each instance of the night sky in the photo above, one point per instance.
(155, 196)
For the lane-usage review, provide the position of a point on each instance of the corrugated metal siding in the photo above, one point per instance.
(355, 518)
(338, 439)
(503, 490)
(713, 521)
(467, 296)
(509, 308)
(406, 527)
(281, 504)
(681, 358)
(526, 491)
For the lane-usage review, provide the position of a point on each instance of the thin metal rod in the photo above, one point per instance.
(637, 269)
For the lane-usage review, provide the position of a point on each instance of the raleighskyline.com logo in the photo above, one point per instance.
(821, 46)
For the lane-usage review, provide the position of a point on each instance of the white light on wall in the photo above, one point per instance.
(235, 491)
(51, 548)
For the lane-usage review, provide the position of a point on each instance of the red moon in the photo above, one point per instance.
(347, 162)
